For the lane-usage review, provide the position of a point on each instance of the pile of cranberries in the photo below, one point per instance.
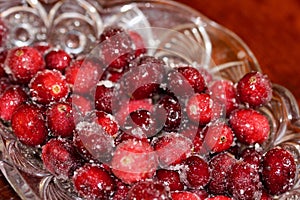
(125, 125)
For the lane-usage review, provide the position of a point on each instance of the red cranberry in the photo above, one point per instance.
(254, 89)
(252, 156)
(103, 97)
(249, 126)
(172, 148)
(244, 182)
(28, 125)
(5, 83)
(279, 171)
(108, 123)
(81, 104)
(10, 100)
(48, 86)
(60, 119)
(148, 190)
(170, 178)
(196, 172)
(220, 197)
(93, 182)
(121, 190)
(134, 160)
(23, 63)
(60, 158)
(184, 195)
(58, 60)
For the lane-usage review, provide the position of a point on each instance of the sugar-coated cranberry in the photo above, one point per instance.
(201, 193)
(279, 169)
(11, 99)
(121, 191)
(220, 197)
(81, 105)
(200, 108)
(148, 190)
(60, 119)
(60, 158)
(220, 166)
(134, 160)
(124, 135)
(28, 125)
(22, 63)
(42, 47)
(225, 92)
(184, 195)
(170, 178)
(196, 172)
(244, 182)
(254, 89)
(171, 113)
(48, 86)
(83, 75)
(108, 123)
(57, 59)
(93, 182)
(252, 156)
(139, 44)
(249, 126)
(172, 148)
(217, 137)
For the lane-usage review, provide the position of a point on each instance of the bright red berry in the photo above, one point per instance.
(93, 182)
(134, 160)
(60, 119)
(170, 178)
(28, 125)
(22, 63)
(184, 195)
(10, 100)
(104, 97)
(254, 89)
(48, 86)
(249, 126)
(279, 169)
(196, 172)
(60, 158)
(108, 123)
(252, 156)
(57, 59)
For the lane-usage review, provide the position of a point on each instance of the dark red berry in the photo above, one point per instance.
(202, 193)
(139, 45)
(103, 97)
(48, 86)
(254, 89)
(252, 156)
(220, 166)
(184, 195)
(60, 158)
(57, 59)
(60, 119)
(28, 125)
(3, 33)
(172, 148)
(42, 47)
(10, 100)
(134, 160)
(93, 182)
(217, 137)
(249, 126)
(108, 123)
(22, 63)
(170, 178)
(279, 169)
(225, 92)
(5, 82)
(200, 108)
(196, 172)
(121, 191)
(148, 190)
(3, 55)
(244, 182)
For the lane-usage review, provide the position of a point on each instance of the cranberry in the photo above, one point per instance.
(81, 104)
(108, 123)
(123, 136)
(103, 97)
(279, 169)
(184, 195)
(148, 190)
(217, 137)
(220, 197)
(42, 47)
(172, 148)
(48, 86)
(10, 100)
(249, 126)
(170, 178)
(244, 182)
(220, 166)
(22, 63)
(196, 172)
(57, 59)
(5, 83)
(254, 89)
(93, 182)
(3, 55)
(60, 158)
(60, 119)
(252, 156)
(28, 125)
(134, 160)
(121, 190)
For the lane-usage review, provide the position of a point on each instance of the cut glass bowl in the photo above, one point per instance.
(180, 34)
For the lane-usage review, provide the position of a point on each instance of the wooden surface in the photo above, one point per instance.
(271, 28)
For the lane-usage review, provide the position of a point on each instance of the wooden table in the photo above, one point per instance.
(271, 28)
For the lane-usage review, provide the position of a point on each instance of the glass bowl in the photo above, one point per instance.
(180, 34)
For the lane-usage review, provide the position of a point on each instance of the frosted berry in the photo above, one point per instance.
(252, 156)
(108, 123)
(57, 59)
(184, 195)
(220, 197)
(170, 178)
(103, 98)
(254, 89)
